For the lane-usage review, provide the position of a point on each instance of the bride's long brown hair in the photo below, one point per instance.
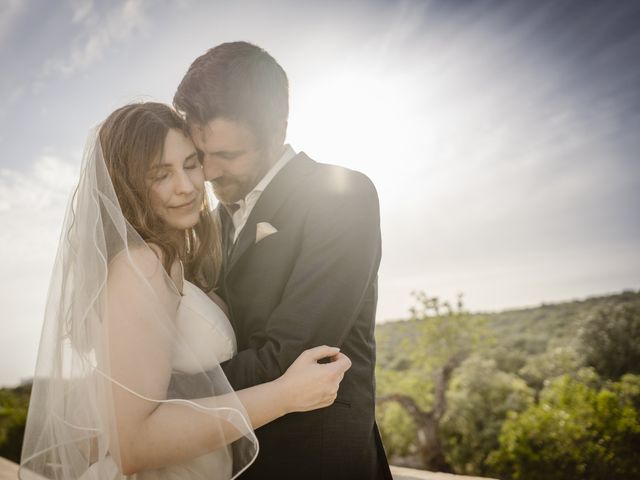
(132, 139)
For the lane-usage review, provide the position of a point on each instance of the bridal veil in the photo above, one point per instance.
(107, 341)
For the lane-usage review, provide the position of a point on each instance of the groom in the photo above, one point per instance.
(301, 247)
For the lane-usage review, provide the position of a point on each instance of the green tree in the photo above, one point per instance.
(479, 400)
(577, 430)
(550, 364)
(398, 430)
(610, 339)
(443, 337)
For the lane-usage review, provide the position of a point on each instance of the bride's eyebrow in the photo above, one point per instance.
(158, 166)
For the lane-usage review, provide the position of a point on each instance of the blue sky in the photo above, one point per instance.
(502, 135)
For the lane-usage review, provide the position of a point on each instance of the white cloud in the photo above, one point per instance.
(10, 10)
(44, 187)
(99, 33)
(32, 206)
(81, 9)
(15, 95)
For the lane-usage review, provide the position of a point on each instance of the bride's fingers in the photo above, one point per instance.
(323, 351)
(341, 364)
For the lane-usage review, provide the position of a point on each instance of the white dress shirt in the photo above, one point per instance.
(241, 214)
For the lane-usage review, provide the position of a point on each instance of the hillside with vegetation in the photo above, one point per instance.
(547, 392)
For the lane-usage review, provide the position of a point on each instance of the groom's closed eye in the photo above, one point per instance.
(228, 154)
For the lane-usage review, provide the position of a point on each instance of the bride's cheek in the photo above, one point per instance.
(197, 177)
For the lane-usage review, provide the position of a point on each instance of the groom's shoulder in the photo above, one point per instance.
(335, 180)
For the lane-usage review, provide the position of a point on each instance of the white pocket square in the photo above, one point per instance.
(264, 229)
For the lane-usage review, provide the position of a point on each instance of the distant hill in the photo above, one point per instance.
(531, 329)
(525, 332)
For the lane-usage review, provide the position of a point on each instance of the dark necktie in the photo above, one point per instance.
(230, 230)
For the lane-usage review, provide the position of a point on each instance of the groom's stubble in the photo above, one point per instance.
(232, 188)
(232, 160)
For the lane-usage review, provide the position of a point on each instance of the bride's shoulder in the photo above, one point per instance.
(146, 262)
(145, 259)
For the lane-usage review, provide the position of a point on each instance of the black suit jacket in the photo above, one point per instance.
(313, 282)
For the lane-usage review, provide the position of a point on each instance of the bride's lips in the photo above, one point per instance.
(185, 206)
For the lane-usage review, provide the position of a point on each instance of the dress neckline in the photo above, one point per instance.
(173, 284)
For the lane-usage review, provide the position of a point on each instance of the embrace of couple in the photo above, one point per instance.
(181, 342)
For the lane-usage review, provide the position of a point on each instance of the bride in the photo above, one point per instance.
(127, 309)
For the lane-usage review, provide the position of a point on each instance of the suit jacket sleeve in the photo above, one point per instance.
(338, 259)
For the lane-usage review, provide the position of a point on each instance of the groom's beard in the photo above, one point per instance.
(232, 188)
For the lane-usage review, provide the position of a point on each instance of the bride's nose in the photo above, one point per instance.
(183, 183)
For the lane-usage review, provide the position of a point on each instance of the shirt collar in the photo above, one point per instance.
(287, 154)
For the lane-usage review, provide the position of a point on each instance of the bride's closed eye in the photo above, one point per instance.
(158, 175)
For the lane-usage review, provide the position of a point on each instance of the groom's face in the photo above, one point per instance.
(231, 160)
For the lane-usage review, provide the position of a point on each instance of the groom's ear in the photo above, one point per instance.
(278, 137)
(280, 133)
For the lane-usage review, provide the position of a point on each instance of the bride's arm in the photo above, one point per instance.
(150, 434)
(174, 433)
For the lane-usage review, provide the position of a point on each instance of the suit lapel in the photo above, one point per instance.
(270, 202)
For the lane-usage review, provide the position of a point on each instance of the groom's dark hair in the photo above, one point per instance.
(238, 81)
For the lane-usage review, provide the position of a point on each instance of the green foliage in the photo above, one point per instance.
(610, 339)
(413, 350)
(436, 339)
(413, 383)
(539, 346)
(396, 429)
(509, 360)
(14, 404)
(479, 399)
(628, 389)
(443, 336)
(549, 365)
(576, 431)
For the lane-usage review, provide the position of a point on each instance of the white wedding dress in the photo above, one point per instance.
(208, 341)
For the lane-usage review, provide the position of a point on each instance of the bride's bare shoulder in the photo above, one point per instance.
(145, 259)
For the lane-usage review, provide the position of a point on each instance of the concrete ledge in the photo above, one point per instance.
(8, 470)
(400, 473)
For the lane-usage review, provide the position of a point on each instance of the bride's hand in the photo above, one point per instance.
(308, 385)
